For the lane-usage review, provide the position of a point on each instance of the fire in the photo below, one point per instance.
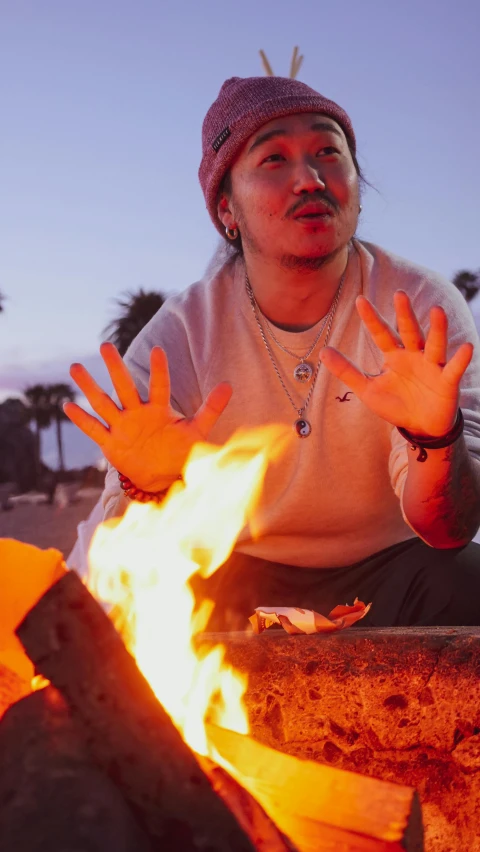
(141, 564)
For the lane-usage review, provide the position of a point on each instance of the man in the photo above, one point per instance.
(350, 509)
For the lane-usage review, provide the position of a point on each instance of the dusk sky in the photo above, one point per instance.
(101, 109)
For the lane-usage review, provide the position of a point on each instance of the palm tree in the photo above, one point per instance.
(136, 310)
(59, 394)
(468, 283)
(40, 411)
(17, 446)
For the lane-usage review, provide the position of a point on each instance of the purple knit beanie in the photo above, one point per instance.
(245, 104)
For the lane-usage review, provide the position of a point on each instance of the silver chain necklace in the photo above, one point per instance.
(302, 426)
(303, 372)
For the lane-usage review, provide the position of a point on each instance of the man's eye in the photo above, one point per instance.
(273, 158)
(329, 150)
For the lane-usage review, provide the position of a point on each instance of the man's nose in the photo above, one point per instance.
(307, 179)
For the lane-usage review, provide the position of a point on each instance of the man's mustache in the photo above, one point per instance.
(314, 198)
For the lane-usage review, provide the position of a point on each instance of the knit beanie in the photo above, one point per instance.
(245, 104)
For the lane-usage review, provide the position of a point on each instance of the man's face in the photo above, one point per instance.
(294, 191)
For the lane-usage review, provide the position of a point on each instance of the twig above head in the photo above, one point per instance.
(266, 64)
(294, 65)
(297, 66)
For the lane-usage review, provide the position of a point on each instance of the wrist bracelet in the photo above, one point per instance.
(422, 443)
(139, 494)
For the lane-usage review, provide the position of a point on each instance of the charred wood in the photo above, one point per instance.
(52, 798)
(71, 641)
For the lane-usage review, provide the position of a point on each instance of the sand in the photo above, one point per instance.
(48, 526)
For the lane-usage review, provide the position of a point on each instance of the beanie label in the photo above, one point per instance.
(221, 138)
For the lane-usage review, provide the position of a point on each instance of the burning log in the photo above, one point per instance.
(12, 687)
(51, 796)
(72, 642)
(321, 807)
(252, 818)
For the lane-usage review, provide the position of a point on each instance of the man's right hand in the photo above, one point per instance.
(146, 441)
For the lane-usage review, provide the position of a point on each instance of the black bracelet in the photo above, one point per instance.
(422, 443)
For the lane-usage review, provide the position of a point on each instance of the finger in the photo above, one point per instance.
(381, 332)
(436, 342)
(159, 388)
(409, 329)
(100, 401)
(121, 379)
(88, 424)
(343, 369)
(215, 403)
(457, 365)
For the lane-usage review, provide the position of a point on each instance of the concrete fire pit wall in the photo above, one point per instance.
(401, 705)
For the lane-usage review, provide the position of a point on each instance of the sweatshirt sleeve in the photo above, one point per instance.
(461, 328)
(168, 330)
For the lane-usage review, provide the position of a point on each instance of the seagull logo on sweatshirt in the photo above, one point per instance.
(345, 397)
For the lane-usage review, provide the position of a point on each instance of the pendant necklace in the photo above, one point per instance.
(303, 372)
(302, 426)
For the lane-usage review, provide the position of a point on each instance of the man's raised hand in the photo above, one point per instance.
(146, 441)
(418, 388)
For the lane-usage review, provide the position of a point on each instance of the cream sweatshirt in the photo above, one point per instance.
(336, 496)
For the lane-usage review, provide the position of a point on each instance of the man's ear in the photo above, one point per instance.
(225, 212)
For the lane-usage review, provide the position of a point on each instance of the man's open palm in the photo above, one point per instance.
(146, 441)
(417, 388)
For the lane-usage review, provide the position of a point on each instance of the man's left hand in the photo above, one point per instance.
(418, 388)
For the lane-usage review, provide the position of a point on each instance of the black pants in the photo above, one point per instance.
(408, 584)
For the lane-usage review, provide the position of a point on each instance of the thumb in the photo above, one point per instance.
(214, 405)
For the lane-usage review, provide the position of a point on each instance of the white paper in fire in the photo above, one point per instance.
(293, 619)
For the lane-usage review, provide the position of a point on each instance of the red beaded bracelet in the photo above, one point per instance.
(130, 490)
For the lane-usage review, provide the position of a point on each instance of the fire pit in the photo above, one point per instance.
(153, 723)
(402, 705)
(102, 723)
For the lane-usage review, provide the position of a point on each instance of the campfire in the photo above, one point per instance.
(141, 565)
(138, 696)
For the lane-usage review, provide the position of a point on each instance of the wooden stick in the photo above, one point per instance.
(72, 642)
(293, 63)
(266, 64)
(298, 65)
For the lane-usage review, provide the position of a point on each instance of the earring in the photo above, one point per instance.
(360, 208)
(232, 233)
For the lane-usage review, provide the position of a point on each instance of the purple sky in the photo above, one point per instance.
(102, 104)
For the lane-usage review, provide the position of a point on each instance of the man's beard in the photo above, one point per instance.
(295, 262)
(304, 264)
(307, 264)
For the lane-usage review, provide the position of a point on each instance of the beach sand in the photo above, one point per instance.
(48, 526)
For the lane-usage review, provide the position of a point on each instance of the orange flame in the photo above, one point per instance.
(141, 564)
